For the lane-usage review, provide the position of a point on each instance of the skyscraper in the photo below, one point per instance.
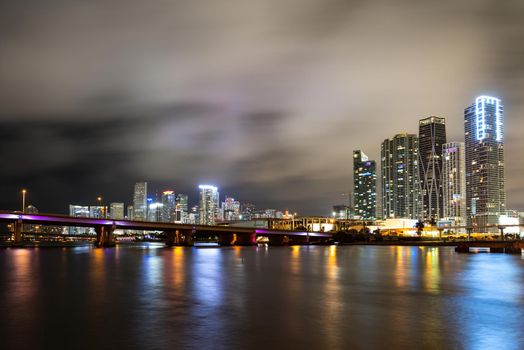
(364, 186)
(154, 212)
(484, 136)
(116, 211)
(140, 201)
(454, 182)
(208, 204)
(231, 209)
(400, 177)
(168, 206)
(181, 209)
(431, 137)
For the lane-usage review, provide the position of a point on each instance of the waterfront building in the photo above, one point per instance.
(432, 135)
(400, 177)
(168, 206)
(154, 212)
(246, 211)
(454, 183)
(130, 215)
(485, 180)
(341, 212)
(116, 211)
(364, 186)
(181, 208)
(193, 216)
(79, 211)
(97, 211)
(208, 204)
(140, 201)
(231, 209)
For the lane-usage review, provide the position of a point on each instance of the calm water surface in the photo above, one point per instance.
(151, 297)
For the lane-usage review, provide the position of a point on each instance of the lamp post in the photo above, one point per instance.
(102, 211)
(24, 191)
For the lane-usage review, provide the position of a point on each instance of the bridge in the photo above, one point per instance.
(176, 234)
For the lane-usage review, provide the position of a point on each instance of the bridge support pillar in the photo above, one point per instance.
(226, 238)
(501, 228)
(104, 236)
(440, 233)
(173, 238)
(246, 239)
(183, 238)
(17, 231)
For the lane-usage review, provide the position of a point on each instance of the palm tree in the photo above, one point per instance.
(420, 226)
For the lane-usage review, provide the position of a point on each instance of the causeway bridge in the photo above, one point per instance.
(176, 234)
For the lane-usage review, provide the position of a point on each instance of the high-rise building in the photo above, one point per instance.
(181, 209)
(154, 212)
(431, 137)
(140, 201)
(364, 186)
(341, 212)
(485, 181)
(400, 177)
(116, 211)
(454, 183)
(79, 211)
(130, 215)
(230, 209)
(193, 215)
(208, 204)
(168, 206)
(247, 210)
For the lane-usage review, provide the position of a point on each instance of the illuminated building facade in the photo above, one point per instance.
(97, 211)
(168, 206)
(485, 181)
(454, 182)
(364, 186)
(181, 209)
(431, 137)
(208, 204)
(400, 177)
(154, 212)
(79, 211)
(116, 211)
(140, 201)
(230, 209)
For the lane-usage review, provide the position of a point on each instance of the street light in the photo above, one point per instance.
(99, 199)
(24, 191)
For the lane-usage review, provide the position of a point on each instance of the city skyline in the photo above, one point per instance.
(265, 106)
(418, 211)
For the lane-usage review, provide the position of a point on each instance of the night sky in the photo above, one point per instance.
(265, 99)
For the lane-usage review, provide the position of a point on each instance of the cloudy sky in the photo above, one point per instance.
(265, 99)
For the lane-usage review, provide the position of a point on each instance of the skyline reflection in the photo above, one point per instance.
(260, 297)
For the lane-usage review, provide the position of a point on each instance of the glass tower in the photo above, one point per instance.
(431, 137)
(484, 139)
(400, 177)
(140, 202)
(454, 182)
(364, 186)
(208, 204)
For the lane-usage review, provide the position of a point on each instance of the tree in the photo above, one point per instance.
(420, 227)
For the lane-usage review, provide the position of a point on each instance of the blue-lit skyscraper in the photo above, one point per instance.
(484, 138)
(364, 186)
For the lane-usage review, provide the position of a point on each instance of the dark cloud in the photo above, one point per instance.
(265, 99)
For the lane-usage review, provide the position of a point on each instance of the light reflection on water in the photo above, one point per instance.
(149, 296)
